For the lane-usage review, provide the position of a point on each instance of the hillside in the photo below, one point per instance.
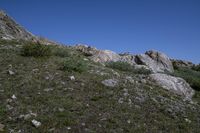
(55, 88)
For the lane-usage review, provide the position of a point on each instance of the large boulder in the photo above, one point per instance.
(156, 61)
(173, 84)
(103, 56)
(128, 58)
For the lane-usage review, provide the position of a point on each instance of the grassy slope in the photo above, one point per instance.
(88, 105)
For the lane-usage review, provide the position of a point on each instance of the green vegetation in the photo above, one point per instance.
(126, 67)
(76, 64)
(84, 104)
(61, 51)
(36, 50)
(191, 76)
(196, 68)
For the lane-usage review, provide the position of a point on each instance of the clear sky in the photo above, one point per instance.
(170, 26)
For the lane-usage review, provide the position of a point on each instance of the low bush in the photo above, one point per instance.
(126, 67)
(75, 64)
(61, 51)
(196, 68)
(36, 50)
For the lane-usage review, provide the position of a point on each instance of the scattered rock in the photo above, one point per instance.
(48, 89)
(120, 101)
(14, 97)
(110, 82)
(2, 127)
(11, 72)
(36, 123)
(61, 109)
(83, 124)
(187, 120)
(173, 84)
(71, 77)
(69, 128)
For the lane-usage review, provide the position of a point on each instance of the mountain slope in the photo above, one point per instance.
(54, 88)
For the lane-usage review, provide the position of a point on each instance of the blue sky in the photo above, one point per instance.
(170, 26)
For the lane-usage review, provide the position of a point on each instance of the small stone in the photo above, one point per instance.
(187, 120)
(83, 124)
(48, 89)
(36, 123)
(71, 77)
(129, 121)
(1, 91)
(14, 97)
(120, 100)
(129, 101)
(35, 70)
(61, 109)
(2, 127)
(110, 82)
(10, 72)
(68, 128)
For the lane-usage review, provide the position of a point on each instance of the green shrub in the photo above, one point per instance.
(196, 68)
(61, 51)
(126, 67)
(36, 50)
(191, 76)
(75, 64)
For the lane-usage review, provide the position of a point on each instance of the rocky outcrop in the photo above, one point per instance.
(173, 84)
(182, 63)
(9, 29)
(156, 61)
(105, 56)
(101, 56)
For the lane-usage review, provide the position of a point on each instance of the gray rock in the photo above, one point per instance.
(11, 30)
(110, 82)
(36, 123)
(173, 84)
(103, 56)
(182, 63)
(2, 127)
(11, 72)
(128, 58)
(156, 61)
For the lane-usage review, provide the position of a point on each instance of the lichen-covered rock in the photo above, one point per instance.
(156, 61)
(86, 50)
(105, 56)
(128, 58)
(173, 84)
(11, 30)
(110, 82)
